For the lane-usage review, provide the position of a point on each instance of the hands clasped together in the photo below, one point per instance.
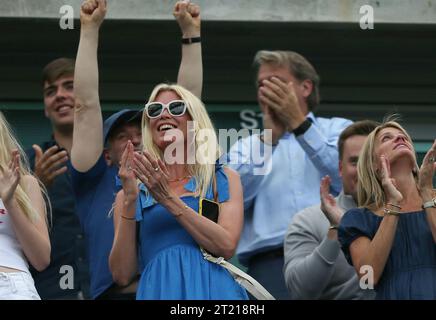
(425, 178)
(150, 171)
(281, 109)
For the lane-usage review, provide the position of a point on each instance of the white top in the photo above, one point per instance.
(11, 254)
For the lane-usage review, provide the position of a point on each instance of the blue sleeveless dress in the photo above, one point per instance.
(410, 271)
(173, 267)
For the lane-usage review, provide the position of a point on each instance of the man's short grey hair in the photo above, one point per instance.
(299, 67)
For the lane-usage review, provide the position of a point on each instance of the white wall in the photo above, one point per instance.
(386, 11)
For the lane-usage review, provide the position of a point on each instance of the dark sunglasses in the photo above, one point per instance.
(176, 108)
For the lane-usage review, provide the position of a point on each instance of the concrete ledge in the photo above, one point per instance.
(385, 11)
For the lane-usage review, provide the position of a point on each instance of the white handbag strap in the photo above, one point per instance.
(248, 282)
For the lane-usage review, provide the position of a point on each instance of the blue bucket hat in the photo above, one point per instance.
(120, 117)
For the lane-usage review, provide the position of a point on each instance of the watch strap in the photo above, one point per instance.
(429, 204)
(304, 126)
(191, 40)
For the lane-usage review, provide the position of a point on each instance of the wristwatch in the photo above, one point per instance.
(191, 40)
(430, 204)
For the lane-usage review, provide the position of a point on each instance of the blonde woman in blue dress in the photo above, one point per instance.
(166, 205)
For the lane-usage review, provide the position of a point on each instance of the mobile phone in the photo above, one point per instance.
(209, 209)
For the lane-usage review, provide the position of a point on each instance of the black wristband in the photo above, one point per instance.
(191, 40)
(302, 128)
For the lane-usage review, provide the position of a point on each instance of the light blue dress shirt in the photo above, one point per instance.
(297, 165)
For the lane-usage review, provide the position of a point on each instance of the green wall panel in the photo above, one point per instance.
(31, 126)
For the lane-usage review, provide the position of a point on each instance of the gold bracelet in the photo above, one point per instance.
(394, 205)
(391, 212)
(127, 218)
(180, 212)
(333, 227)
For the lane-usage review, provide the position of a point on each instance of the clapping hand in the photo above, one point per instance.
(426, 174)
(271, 122)
(127, 175)
(10, 177)
(281, 98)
(328, 203)
(49, 164)
(389, 184)
(154, 174)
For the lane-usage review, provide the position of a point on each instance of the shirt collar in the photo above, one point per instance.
(346, 201)
(311, 117)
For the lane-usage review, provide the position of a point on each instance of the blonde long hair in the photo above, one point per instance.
(370, 193)
(8, 143)
(203, 171)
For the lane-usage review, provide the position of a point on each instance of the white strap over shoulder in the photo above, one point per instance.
(248, 282)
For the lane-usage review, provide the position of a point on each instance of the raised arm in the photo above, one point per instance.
(88, 123)
(191, 66)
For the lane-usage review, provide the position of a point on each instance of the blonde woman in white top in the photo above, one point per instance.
(23, 222)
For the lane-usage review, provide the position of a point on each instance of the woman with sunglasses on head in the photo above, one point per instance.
(23, 222)
(391, 238)
(177, 168)
(98, 147)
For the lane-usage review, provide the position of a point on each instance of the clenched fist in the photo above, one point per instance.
(92, 12)
(187, 15)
